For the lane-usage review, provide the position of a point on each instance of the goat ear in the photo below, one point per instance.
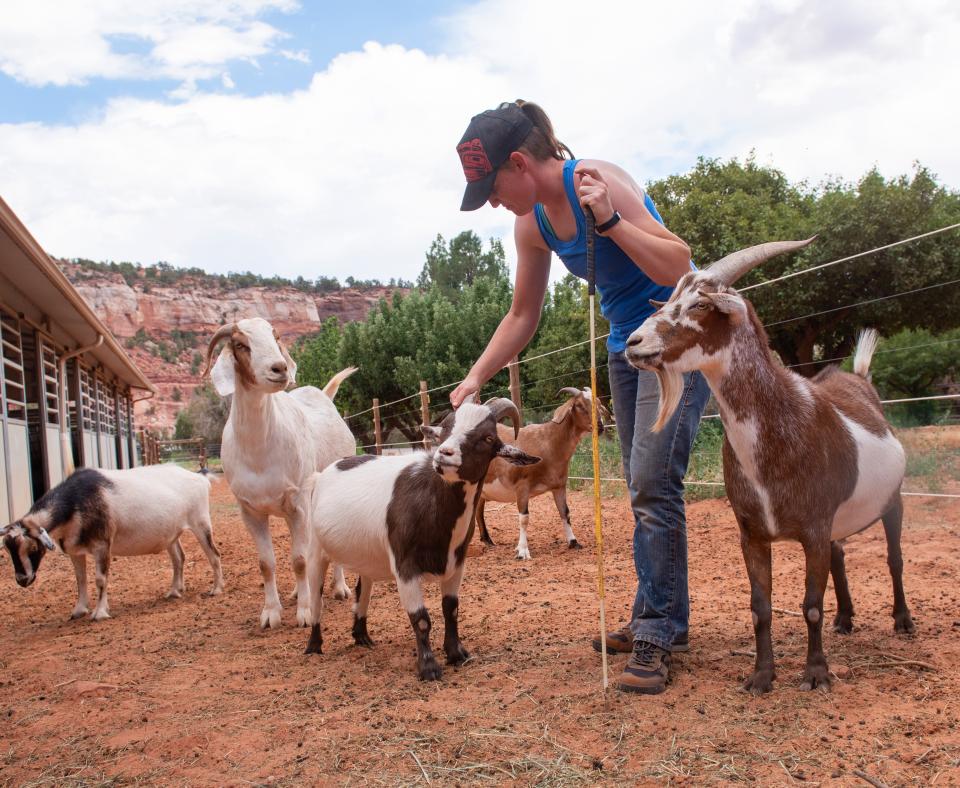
(657, 304)
(728, 303)
(291, 364)
(432, 434)
(515, 456)
(45, 539)
(223, 375)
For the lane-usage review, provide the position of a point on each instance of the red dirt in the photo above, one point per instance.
(193, 692)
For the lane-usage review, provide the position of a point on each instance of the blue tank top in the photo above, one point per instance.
(625, 290)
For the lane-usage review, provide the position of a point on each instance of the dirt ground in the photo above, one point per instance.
(193, 692)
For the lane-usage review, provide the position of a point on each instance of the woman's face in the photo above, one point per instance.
(514, 187)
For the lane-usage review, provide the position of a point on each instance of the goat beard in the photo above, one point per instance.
(671, 387)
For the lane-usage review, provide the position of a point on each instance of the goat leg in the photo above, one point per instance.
(817, 554)
(843, 621)
(317, 565)
(360, 635)
(456, 653)
(482, 522)
(411, 597)
(101, 561)
(560, 499)
(757, 557)
(892, 524)
(523, 515)
(83, 601)
(176, 559)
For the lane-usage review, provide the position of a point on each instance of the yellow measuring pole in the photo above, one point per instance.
(597, 508)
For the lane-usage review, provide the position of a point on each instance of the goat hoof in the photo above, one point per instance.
(100, 616)
(303, 616)
(523, 554)
(363, 640)
(78, 613)
(269, 619)
(903, 625)
(485, 538)
(574, 545)
(172, 594)
(429, 670)
(457, 655)
(760, 682)
(843, 624)
(213, 592)
(315, 643)
(341, 593)
(815, 676)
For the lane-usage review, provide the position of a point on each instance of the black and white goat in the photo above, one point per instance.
(811, 460)
(104, 513)
(408, 518)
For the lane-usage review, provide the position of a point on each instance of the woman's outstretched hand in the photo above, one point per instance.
(463, 392)
(593, 193)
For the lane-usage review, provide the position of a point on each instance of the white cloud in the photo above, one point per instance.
(357, 173)
(47, 42)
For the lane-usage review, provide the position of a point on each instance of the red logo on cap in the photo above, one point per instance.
(474, 159)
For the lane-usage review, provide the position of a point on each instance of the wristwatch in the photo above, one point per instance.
(609, 224)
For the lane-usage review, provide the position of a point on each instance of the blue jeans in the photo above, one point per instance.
(654, 465)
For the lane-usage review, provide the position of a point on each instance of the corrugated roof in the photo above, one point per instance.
(40, 290)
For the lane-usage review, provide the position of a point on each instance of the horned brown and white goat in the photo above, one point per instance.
(103, 513)
(272, 441)
(408, 518)
(555, 442)
(812, 460)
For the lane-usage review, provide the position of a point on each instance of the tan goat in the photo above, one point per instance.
(554, 441)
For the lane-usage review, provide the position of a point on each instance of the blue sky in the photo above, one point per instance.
(307, 138)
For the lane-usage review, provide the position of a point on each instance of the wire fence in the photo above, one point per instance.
(707, 453)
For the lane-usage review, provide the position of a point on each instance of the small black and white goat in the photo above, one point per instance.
(408, 518)
(104, 513)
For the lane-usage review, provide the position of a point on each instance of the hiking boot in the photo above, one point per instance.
(647, 670)
(618, 642)
(621, 642)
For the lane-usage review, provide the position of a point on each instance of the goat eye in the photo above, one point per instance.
(489, 439)
(702, 305)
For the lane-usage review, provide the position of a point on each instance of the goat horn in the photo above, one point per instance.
(570, 390)
(501, 407)
(729, 269)
(223, 333)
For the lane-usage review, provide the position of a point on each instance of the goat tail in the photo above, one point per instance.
(333, 385)
(866, 345)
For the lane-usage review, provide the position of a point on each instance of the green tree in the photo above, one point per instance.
(453, 266)
(720, 207)
(565, 322)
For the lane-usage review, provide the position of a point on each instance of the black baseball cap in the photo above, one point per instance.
(486, 144)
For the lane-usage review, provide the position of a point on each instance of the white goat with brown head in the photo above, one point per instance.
(272, 442)
(812, 460)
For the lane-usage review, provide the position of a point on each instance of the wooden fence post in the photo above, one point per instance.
(424, 408)
(376, 426)
(514, 367)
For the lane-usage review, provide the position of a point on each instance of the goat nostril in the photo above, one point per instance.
(447, 452)
(280, 368)
(634, 342)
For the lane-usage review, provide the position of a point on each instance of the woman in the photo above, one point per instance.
(511, 157)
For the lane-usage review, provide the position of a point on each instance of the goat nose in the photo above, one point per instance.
(280, 368)
(446, 451)
(634, 341)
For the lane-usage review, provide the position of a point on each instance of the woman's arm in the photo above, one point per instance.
(520, 323)
(659, 253)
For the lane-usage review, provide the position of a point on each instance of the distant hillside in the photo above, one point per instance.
(165, 316)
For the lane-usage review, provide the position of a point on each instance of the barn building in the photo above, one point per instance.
(67, 387)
